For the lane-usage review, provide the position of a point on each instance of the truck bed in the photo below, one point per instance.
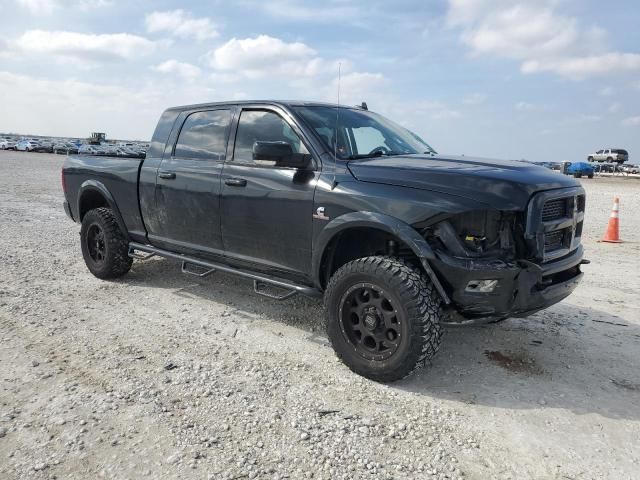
(116, 177)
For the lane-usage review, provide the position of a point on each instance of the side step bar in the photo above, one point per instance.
(259, 280)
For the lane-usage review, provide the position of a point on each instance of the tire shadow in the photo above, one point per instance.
(569, 357)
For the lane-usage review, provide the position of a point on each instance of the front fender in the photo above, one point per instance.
(380, 221)
(96, 186)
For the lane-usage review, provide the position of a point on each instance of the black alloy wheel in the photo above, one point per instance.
(96, 244)
(370, 321)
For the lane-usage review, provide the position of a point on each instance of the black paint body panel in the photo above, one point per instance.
(267, 223)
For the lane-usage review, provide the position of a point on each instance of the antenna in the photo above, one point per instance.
(335, 140)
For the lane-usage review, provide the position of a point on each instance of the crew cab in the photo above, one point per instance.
(337, 201)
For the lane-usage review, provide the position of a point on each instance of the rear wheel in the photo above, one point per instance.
(104, 246)
(383, 318)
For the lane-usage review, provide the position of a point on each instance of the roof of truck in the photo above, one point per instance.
(284, 103)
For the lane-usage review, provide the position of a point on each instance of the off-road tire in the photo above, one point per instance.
(116, 260)
(590, 175)
(412, 293)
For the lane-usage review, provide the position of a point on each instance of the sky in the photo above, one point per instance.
(542, 80)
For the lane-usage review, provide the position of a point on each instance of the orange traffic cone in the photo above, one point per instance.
(612, 234)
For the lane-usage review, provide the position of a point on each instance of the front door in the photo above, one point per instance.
(266, 209)
(188, 185)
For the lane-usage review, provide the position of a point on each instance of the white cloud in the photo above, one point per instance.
(535, 34)
(256, 57)
(324, 12)
(174, 67)
(631, 122)
(48, 6)
(85, 47)
(181, 24)
(39, 6)
(582, 67)
(355, 87)
(607, 91)
(291, 69)
(614, 107)
(75, 108)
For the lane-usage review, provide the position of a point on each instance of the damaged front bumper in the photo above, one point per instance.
(522, 287)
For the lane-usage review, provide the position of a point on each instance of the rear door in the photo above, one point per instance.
(187, 192)
(266, 209)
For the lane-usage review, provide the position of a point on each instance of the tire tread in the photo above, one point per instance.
(422, 303)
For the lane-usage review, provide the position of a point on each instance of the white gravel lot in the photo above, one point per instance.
(256, 392)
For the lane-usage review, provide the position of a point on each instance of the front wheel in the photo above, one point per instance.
(383, 318)
(104, 246)
(590, 159)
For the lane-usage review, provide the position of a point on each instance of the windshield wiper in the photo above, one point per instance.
(364, 155)
(377, 154)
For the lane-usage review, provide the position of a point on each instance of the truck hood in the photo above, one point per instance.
(500, 184)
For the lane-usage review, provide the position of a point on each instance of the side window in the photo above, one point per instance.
(263, 126)
(204, 135)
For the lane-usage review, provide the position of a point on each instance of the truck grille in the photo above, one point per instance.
(554, 209)
(553, 240)
(554, 223)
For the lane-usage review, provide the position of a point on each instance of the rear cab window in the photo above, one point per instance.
(204, 135)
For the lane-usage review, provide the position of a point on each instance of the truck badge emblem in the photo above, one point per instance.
(320, 214)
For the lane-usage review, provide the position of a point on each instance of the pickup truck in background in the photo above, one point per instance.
(337, 201)
(609, 155)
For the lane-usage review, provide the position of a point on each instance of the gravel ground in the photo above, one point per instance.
(161, 375)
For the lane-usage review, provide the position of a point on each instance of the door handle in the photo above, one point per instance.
(167, 175)
(235, 182)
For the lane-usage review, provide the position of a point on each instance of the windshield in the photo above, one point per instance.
(360, 133)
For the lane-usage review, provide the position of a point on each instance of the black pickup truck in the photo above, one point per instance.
(319, 199)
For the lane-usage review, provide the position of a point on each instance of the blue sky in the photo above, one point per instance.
(534, 79)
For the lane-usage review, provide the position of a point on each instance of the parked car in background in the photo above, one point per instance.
(631, 169)
(580, 169)
(7, 145)
(26, 146)
(65, 148)
(92, 150)
(609, 155)
(43, 147)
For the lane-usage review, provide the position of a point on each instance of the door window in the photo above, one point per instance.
(263, 126)
(204, 135)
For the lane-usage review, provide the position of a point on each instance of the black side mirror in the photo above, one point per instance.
(281, 153)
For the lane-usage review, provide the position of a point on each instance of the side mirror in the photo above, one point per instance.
(281, 153)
